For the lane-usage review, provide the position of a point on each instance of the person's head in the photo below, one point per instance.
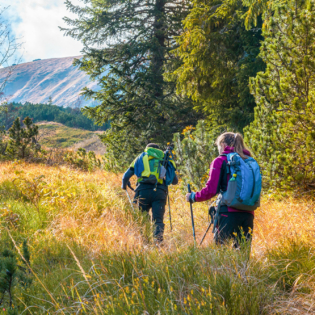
(231, 139)
(152, 145)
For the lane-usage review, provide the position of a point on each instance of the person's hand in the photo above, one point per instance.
(125, 184)
(188, 197)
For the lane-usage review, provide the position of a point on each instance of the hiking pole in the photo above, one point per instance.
(192, 214)
(164, 163)
(169, 210)
(211, 213)
(129, 196)
(204, 236)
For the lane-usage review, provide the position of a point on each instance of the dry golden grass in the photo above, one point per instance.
(290, 218)
(90, 209)
(85, 207)
(94, 217)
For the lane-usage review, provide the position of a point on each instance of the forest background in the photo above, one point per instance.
(242, 66)
(183, 72)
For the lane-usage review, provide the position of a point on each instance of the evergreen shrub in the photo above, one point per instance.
(195, 151)
(83, 160)
(12, 275)
(22, 142)
(282, 134)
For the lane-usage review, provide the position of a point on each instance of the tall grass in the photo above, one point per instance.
(94, 255)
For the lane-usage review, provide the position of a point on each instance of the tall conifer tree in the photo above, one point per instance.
(126, 46)
(282, 134)
(219, 56)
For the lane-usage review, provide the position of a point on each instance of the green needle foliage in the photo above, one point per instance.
(218, 56)
(282, 134)
(195, 151)
(22, 141)
(12, 275)
(126, 46)
(3, 144)
(8, 112)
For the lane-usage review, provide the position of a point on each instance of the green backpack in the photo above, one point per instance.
(148, 167)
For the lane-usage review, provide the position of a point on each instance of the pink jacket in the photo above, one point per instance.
(212, 186)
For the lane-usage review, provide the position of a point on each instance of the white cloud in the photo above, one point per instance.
(36, 22)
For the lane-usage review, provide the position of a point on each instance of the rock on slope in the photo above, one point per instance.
(36, 81)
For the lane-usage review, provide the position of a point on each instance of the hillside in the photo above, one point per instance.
(56, 135)
(57, 78)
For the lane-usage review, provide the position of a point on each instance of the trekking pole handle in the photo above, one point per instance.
(192, 215)
(189, 189)
(129, 185)
(166, 157)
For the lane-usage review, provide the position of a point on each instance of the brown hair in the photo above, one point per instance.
(233, 140)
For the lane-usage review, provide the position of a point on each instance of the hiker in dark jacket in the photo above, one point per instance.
(151, 191)
(232, 222)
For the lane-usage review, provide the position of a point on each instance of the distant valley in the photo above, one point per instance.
(40, 80)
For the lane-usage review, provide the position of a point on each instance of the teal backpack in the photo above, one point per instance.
(244, 187)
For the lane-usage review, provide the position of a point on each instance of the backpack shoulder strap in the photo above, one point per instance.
(222, 185)
(226, 164)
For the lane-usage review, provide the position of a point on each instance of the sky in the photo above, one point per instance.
(35, 23)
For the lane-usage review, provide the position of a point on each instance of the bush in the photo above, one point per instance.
(194, 153)
(83, 160)
(120, 149)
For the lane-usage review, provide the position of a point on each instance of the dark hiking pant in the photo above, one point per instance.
(236, 226)
(148, 198)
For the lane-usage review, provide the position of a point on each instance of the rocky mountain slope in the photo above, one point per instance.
(39, 80)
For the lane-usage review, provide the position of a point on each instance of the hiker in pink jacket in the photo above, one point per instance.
(232, 222)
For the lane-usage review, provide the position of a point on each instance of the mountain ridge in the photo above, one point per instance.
(38, 81)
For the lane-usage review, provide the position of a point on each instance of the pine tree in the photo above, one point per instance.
(22, 141)
(282, 135)
(219, 55)
(7, 114)
(12, 275)
(134, 40)
(3, 143)
(50, 101)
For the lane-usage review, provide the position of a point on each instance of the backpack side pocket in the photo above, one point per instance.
(229, 195)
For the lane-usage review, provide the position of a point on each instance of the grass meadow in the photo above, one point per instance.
(90, 253)
(56, 135)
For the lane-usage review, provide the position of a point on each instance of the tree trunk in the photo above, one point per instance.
(159, 50)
